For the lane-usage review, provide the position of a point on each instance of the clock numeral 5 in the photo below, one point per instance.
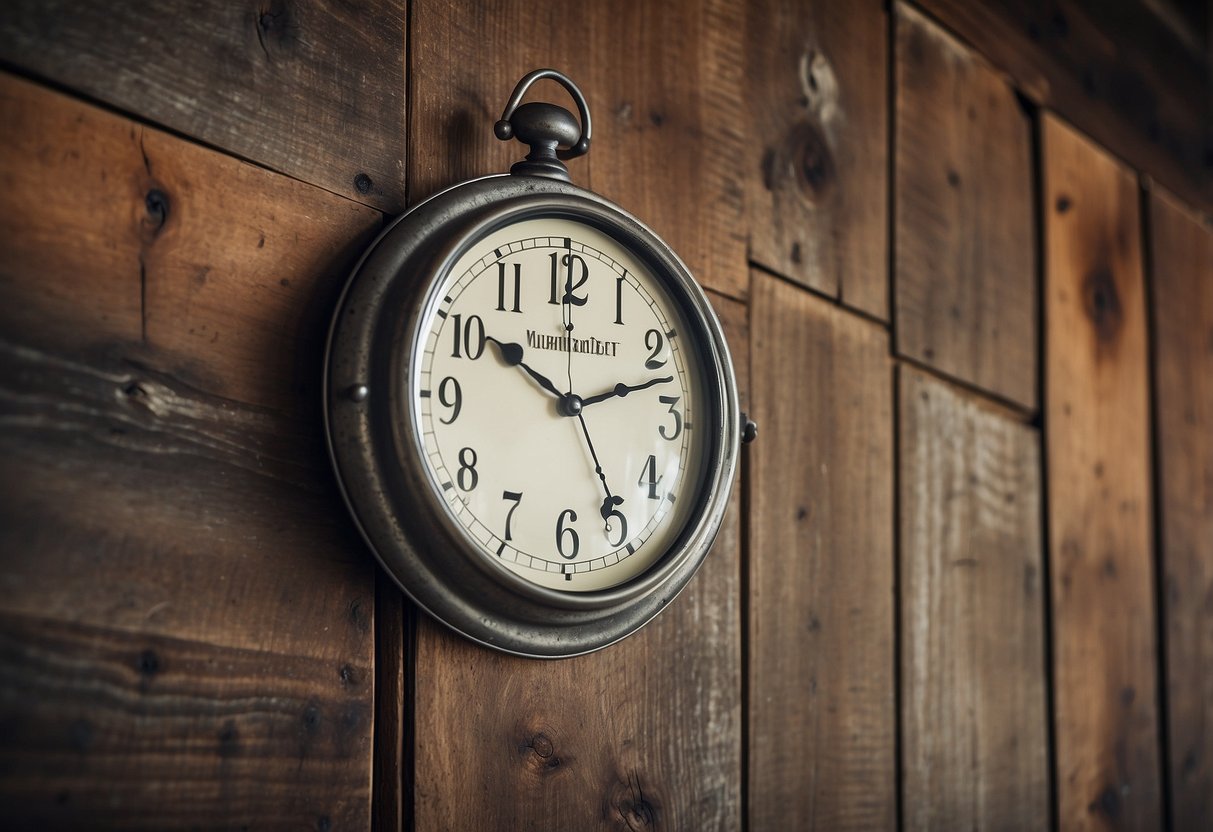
(509, 515)
(623, 527)
(456, 404)
(471, 337)
(648, 476)
(467, 476)
(562, 531)
(671, 401)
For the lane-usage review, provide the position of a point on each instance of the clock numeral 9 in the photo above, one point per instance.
(467, 476)
(648, 476)
(671, 401)
(471, 336)
(456, 404)
(562, 531)
(653, 340)
(570, 287)
(509, 515)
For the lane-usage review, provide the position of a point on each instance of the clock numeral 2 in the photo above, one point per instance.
(470, 336)
(570, 287)
(671, 401)
(501, 267)
(654, 341)
(509, 515)
(648, 476)
(562, 531)
(467, 476)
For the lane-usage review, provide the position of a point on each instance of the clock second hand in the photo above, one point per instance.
(608, 505)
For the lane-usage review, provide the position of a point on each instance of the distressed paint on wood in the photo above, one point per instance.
(314, 90)
(816, 170)
(1097, 428)
(667, 110)
(1181, 249)
(965, 253)
(974, 726)
(644, 734)
(821, 676)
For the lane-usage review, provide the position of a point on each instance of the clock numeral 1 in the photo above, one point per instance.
(671, 401)
(501, 267)
(648, 476)
(456, 403)
(619, 299)
(570, 287)
(467, 476)
(562, 531)
(509, 515)
(471, 337)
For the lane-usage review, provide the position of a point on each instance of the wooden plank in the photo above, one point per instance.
(643, 734)
(822, 715)
(816, 188)
(1098, 452)
(1181, 249)
(974, 726)
(142, 503)
(965, 256)
(1110, 68)
(667, 109)
(126, 730)
(314, 90)
(393, 710)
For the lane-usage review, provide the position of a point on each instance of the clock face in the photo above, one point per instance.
(556, 392)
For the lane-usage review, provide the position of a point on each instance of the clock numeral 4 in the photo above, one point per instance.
(471, 337)
(456, 402)
(648, 476)
(467, 476)
(501, 267)
(516, 497)
(564, 532)
(671, 401)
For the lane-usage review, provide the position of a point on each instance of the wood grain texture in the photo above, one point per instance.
(645, 734)
(103, 728)
(1181, 248)
(1112, 69)
(822, 715)
(816, 175)
(974, 726)
(314, 90)
(965, 254)
(663, 81)
(1098, 454)
(142, 502)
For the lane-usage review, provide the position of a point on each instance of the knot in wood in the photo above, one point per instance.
(1101, 301)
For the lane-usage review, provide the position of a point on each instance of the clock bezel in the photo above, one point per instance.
(374, 344)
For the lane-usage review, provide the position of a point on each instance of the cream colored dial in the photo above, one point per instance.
(557, 391)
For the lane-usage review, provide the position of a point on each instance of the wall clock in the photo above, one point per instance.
(530, 404)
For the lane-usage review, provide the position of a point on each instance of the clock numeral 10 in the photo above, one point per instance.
(509, 515)
(567, 532)
(471, 337)
(648, 476)
(501, 267)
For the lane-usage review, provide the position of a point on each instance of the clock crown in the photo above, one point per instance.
(544, 127)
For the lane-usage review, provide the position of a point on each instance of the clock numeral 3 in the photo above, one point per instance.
(456, 404)
(509, 515)
(467, 476)
(648, 476)
(563, 532)
(653, 340)
(501, 267)
(570, 287)
(671, 401)
(470, 336)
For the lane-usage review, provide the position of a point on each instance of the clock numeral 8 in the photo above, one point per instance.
(464, 334)
(562, 531)
(467, 469)
(671, 401)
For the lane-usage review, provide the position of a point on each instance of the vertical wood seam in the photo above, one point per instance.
(899, 783)
(744, 583)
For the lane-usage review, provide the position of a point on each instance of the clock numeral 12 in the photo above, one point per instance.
(562, 531)
(648, 476)
(509, 515)
(570, 287)
(501, 267)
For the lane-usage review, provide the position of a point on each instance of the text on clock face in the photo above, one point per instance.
(557, 400)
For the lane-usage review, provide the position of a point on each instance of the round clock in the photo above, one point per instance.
(530, 404)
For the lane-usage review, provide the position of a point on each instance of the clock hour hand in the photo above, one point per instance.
(512, 354)
(622, 390)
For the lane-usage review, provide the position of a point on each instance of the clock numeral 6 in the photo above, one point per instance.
(471, 337)
(671, 401)
(509, 515)
(648, 476)
(467, 476)
(562, 531)
(456, 403)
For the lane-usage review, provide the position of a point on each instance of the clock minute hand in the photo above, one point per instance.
(512, 354)
(622, 390)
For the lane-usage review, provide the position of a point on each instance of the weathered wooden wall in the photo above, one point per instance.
(963, 257)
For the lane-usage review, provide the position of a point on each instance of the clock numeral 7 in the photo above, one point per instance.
(471, 337)
(648, 476)
(509, 515)
(562, 531)
(671, 401)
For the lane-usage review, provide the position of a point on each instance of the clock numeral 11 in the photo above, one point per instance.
(501, 267)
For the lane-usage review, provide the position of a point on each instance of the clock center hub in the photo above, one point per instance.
(570, 404)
